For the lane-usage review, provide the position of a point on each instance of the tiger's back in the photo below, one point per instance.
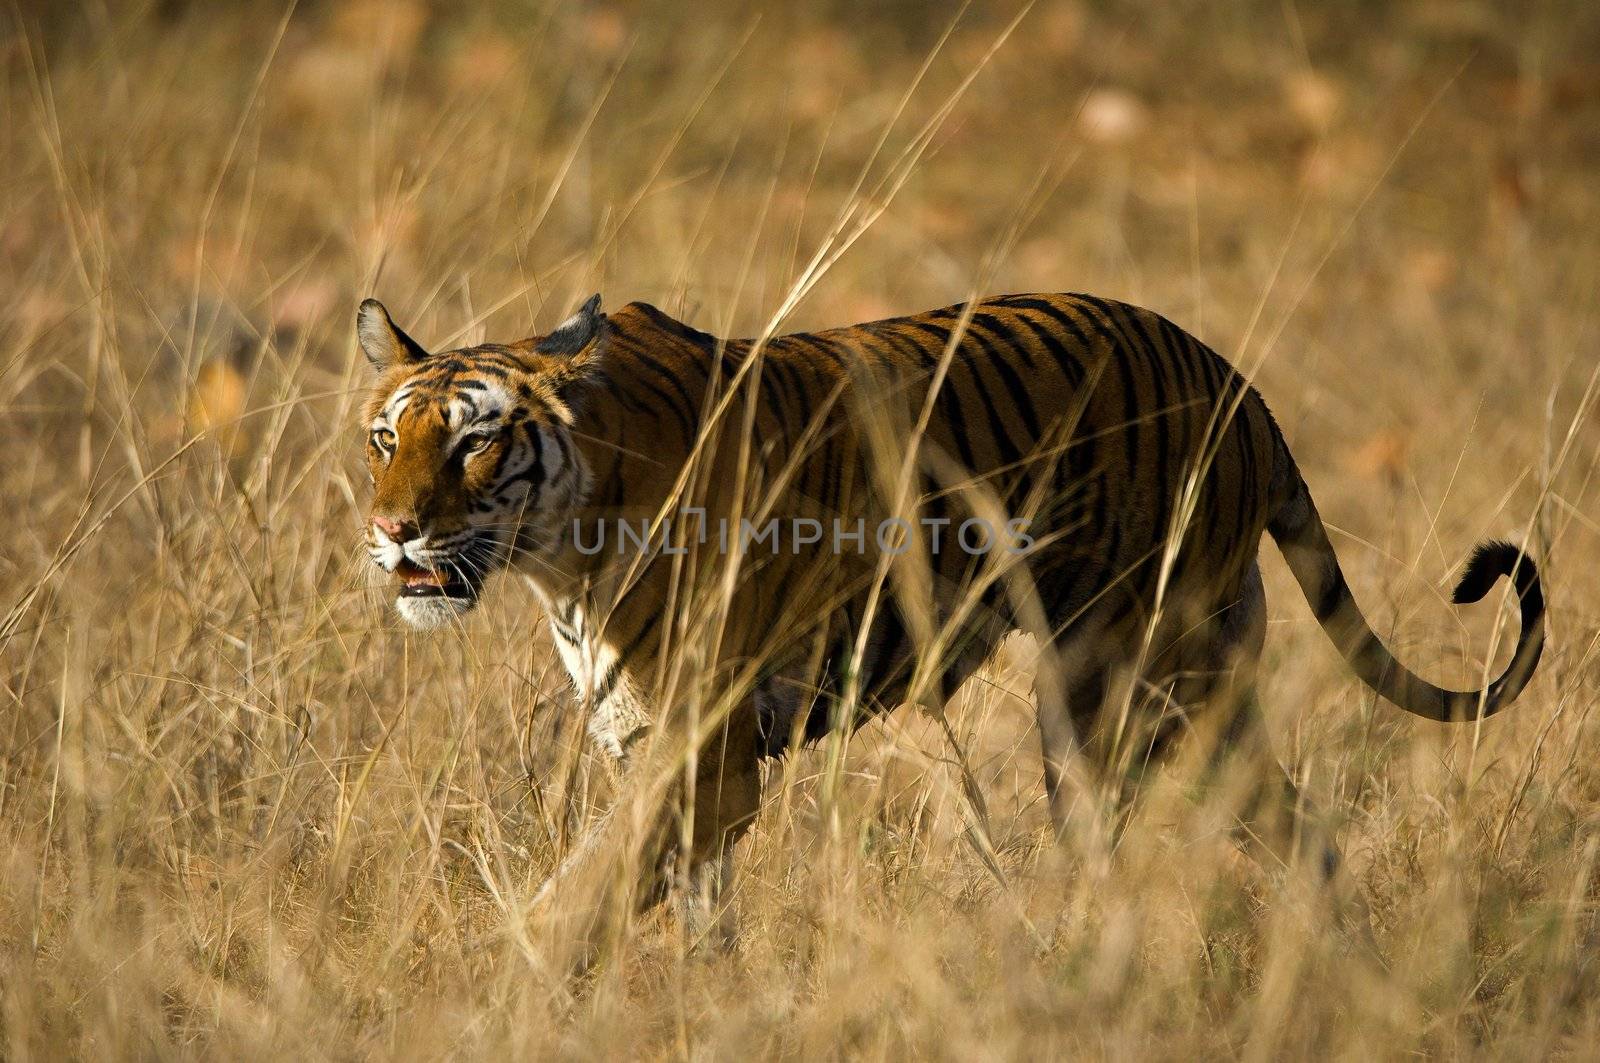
(1103, 430)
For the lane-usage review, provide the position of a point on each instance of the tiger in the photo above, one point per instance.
(1121, 472)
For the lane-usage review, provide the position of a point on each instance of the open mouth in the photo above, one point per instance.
(419, 582)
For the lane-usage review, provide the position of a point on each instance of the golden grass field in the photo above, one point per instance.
(243, 813)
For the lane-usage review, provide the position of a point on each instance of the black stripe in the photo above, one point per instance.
(666, 401)
(1119, 355)
(608, 682)
(443, 373)
(955, 420)
(1069, 365)
(819, 343)
(652, 621)
(1054, 313)
(667, 323)
(1165, 490)
(770, 381)
(625, 400)
(1008, 450)
(688, 413)
(1020, 397)
(1179, 353)
(1002, 332)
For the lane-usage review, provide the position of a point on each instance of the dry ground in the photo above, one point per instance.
(242, 813)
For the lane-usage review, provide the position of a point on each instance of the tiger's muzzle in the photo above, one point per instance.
(435, 584)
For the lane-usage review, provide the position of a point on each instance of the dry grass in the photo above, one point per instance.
(242, 813)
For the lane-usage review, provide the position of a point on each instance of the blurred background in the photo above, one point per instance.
(242, 813)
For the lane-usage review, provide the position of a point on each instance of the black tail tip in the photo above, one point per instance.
(1490, 560)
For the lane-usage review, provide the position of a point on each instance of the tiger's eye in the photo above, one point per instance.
(383, 439)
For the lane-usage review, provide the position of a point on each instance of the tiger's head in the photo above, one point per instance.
(471, 455)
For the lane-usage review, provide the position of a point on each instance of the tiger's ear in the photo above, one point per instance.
(573, 351)
(577, 332)
(381, 339)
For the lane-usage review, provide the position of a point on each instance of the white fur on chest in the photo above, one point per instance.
(617, 713)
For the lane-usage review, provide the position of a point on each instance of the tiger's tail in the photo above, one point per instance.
(1301, 536)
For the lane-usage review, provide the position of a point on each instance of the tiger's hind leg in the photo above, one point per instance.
(1072, 682)
(1061, 713)
(1280, 831)
(1273, 822)
(1215, 711)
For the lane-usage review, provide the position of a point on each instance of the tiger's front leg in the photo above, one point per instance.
(670, 834)
(717, 804)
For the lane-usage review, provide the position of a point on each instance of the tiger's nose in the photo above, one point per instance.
(398, 530)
